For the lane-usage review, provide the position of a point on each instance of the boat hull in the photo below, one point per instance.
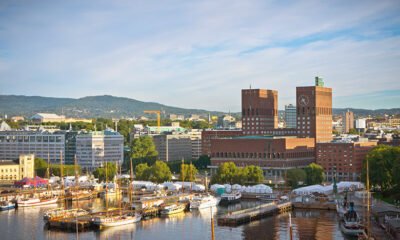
(8, 207)
(165, 212)
(37, 203)
(354, 231)
(227, 202)
(120, 222)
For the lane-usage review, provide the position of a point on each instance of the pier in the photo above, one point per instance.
(247, 215)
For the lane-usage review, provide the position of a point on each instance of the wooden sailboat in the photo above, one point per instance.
(121, 218)
(75, 194)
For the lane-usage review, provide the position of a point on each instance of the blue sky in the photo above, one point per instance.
(200, 54)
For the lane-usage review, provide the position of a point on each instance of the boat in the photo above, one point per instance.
(119, 220)
(350, 223)
(172, 209)
(6, 205)
(228, 198)
(204, 201)
(78, 195)
(35, 201)
(63, 213)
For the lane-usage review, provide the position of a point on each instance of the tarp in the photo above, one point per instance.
(35, 182)
(328, 189)
(260, 188)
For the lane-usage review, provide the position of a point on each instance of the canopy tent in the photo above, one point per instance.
(33, 182)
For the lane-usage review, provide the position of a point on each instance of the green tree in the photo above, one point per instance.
(384, 167)
(101, 173)
(294, 176)
(226, 173)
(144, 150)
(143, 172)
(315, 174)
(189, 172)
(160, 172)
(253, 174)
(353, 131)
(203, 162)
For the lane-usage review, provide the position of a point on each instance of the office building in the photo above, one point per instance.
(259, 111)
(345, 157)
(173, 147)
(348, 121)
(95, 148)
(290, 116)
(43, 144)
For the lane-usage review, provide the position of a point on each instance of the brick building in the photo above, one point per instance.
(346, 157)
(207, 135)
(259, 111)
(272, 153)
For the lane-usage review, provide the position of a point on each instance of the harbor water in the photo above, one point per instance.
(27, 223)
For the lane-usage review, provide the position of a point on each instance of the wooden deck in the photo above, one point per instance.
(247, 215)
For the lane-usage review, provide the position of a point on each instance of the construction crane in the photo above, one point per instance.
(158, 117)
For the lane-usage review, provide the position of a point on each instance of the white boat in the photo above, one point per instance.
(120, 220)
(204, 201)
(6, 205)
(172, 209)
(64, 213)
(233, 197)
(35, 201)
(350, 224)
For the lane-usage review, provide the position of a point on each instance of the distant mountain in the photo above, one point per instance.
(367, 112)
(87, 107)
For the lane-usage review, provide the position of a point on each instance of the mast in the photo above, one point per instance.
(106, 190)
(212, 224)
(131, 185)
(368, 206)
(62, 180)
(183, 173)
(191, 176)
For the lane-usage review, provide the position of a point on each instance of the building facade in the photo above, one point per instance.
(343, 157)
(314, 112)
(290, 116)
(173, 147)
(348, 121)
(11, 170)
(46, 145)
(259, 111)
(207, 135)
(273, 154)
(95, 148)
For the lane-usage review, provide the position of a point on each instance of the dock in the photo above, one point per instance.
(251, 214)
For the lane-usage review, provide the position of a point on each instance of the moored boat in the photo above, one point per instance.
(6, 205)
(64, 213)
(120, 220)
(204, 201)
(350, 224)
(228, 198)
(35, 201)
(78, 195)
(172, 209)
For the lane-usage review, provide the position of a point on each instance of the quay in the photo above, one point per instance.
(247, 215)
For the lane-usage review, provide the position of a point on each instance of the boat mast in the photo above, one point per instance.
(212, 224)
(106, 190)
(62, 180)
(131, 187)
(368, 203)
(183, 173)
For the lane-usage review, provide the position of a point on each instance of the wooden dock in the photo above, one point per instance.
(251, 214)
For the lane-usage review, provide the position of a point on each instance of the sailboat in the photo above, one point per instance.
(74, 194)
(36, 200)
(122, 218)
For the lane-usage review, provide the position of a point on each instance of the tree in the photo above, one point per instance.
(189, 172)
(295, 176)
(253, 174)
(384, 167)
(100, 172)
(160, 172)
(203, 162)
(315, 174)
(226, 173)
(143, 172)
(353, 131)
(144, 150)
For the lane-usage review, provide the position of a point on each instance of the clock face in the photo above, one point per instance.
(303, 100)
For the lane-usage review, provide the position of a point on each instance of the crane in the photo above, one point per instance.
(158, 117)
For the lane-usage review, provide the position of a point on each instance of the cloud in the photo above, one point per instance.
(198, 54)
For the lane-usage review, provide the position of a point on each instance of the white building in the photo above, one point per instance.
(361, 124)
(47, 117)
(41, 143)
(95, 148)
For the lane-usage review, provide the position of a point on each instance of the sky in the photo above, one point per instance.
(200, 54)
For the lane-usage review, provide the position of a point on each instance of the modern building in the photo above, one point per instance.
(173, 147)
(345, 158)
(70, 146)
(195, 138)
(95, 148)
(348, 121)
(361, 124)
(259, 111)
(290, 116)
(17, 169)
(46, 145)
(314, 112)
(272, 153)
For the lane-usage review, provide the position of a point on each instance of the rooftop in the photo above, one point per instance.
(8, 162)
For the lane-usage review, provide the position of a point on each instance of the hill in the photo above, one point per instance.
(87, 107)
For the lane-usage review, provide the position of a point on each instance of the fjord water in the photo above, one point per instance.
(28, 224)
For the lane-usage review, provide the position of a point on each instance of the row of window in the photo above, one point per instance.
(261, 155)
(8, 170)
